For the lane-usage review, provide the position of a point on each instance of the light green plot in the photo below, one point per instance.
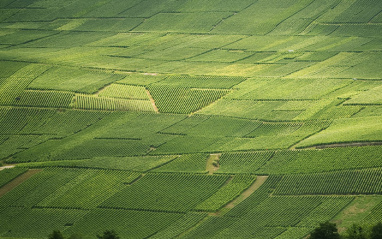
(73, 79)
(125, 92)
(347, 130)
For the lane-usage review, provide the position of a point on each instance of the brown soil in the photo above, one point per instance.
(152, 101)
(258, 182)
(17, 181)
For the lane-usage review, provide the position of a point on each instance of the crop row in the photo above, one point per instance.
(166, 192)
(206, 82)
(375, 215)
(110, 104)
(125, 92)
(44, 99)
(183, 100)
(72, 79)
(6, 175)
(186, 163)
(324, 160)
(183, 224)
(247, 162)
(274, 215)
(67, 188)
(226, 193)
(368, 181)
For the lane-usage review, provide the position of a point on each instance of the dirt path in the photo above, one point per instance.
(8, 166)
(213, 163)
(17, 181)
(258, 182)
(152, 101)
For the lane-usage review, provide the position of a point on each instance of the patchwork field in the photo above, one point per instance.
(189, 119)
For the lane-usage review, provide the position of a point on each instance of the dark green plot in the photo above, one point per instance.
(166, 192)
(183, 100)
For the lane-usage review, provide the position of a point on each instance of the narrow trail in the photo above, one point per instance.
(258, 182)
(17, 181)
(8, 166)
(152, 101)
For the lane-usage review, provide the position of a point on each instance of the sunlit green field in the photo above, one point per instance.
(189, 119)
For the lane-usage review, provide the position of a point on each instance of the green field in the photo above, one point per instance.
(189, 119)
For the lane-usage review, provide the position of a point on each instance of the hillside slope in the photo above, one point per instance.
(189, 119)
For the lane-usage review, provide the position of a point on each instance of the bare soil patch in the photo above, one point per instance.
(18, 180)
(152, 101)
(258, 182)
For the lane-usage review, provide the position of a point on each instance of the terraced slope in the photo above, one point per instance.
(189, 119)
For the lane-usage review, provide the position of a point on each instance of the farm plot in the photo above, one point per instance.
(37, 222)
(365, 181)
(105, 148)
(127, 223)
(182, 22)
(226, 193)
(141, 79)
(275, 215)
(7, 175)
(125, 92)
(186, 145)
(109, 25)
(23, 120)
(52, 99)
(247, 162)
(89, 189)
(67, 122)
(73, 79)
(264, 14)
(183, 100)
(8, 68)
(90, 102)
(166, 192)
(366, 129)
(191, 163)
(68, 39)
(184, 125)
(222, 56)
(375, 214)
(293, 89)
(15, 85)
(140, 164)
(17, 143)
(134, 126)
(217, 126)
(204, 82)
(39, 186)
(17, 37)
(325, 160)
(250, 109)
(178, 227)
(370, 97)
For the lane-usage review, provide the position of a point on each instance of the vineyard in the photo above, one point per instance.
(189, 119)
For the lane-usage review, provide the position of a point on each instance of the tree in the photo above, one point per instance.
(355, 232)
(108, 234)
(56, 234)
(326, 230)
(376, 231)
(75, 236)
